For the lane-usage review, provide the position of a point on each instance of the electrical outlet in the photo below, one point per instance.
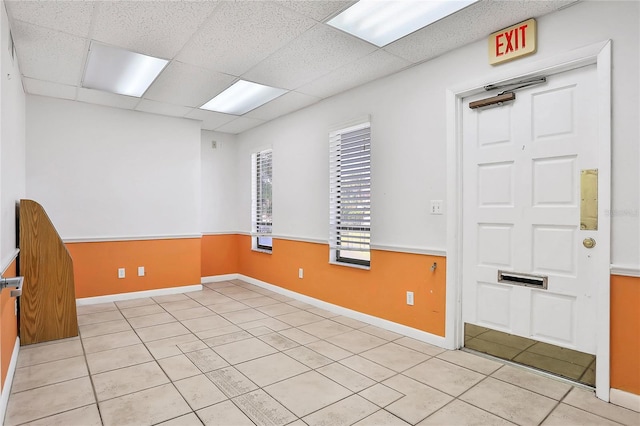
(436, 207)
(120, 272)
(410, 298)
(300, 273)
(141, 271)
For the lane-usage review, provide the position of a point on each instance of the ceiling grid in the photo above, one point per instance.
(212, 44)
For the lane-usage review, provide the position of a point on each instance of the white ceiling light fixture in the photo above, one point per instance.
(381, 22)
(120, 71)
(241, 97)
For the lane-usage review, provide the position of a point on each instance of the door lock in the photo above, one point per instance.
(589, 243)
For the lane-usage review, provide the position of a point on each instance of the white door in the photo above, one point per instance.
(521, 211)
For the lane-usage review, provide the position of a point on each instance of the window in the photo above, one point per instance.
(262, 201)
(350, 195)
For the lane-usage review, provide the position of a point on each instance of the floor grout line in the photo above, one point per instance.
(283, 349)
(530, 369)
(93, 387)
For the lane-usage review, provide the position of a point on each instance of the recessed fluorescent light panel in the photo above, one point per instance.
(381, 22)
(120, 71)
(242, 97)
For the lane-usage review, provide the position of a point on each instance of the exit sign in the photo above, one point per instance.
(513, 42)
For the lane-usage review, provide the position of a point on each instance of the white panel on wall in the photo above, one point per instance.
(408, 124)
(300, 186)
(105, 172)
(403, 161)
(219, 194)
(12, 143)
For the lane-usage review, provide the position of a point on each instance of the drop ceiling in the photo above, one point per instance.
(212, 44)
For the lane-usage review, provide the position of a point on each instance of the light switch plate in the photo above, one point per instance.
(436, 206)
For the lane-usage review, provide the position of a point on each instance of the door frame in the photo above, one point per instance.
(600, 55)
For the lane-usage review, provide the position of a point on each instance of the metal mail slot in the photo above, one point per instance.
(527, 280)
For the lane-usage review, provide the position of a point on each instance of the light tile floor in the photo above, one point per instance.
(236, 354)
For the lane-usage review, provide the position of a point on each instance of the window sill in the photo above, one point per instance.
(349, 265)
(262, 250)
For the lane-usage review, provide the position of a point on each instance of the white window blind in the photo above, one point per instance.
(262, 201)
(350, 194)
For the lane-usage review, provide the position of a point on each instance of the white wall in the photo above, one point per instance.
(408, 116)
(12, 143)
(219, 194)
(102, 172)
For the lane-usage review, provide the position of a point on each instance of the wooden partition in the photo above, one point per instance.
(48, 301)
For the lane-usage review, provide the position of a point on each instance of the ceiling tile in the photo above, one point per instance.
(239, 125)
(105, 98)
(281, 43)
(373, 66)
(156, 28)
(241, 34)
(317, 52)
(49, 55)
(210, 120)
(285, 104)
(162, 108)
(320, 10)
(468, 25)
(47, 88)
(188, 85)
(73, 17)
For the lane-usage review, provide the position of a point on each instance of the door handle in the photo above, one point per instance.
(589, 243)
(14, 283)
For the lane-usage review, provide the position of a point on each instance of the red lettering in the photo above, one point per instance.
(509, 36)
(498, 45)
(522, 31)
(511, 41)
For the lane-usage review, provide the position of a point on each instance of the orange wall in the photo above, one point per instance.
(219, 254)
(380, 291)
(9, 325)
(625, 333)
(167, 263)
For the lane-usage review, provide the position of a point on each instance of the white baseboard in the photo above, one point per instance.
(369, 319)
(8, 381)
(137, 294)
(219, 278)
(625, 399)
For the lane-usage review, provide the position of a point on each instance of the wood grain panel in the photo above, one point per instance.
(48, 301)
